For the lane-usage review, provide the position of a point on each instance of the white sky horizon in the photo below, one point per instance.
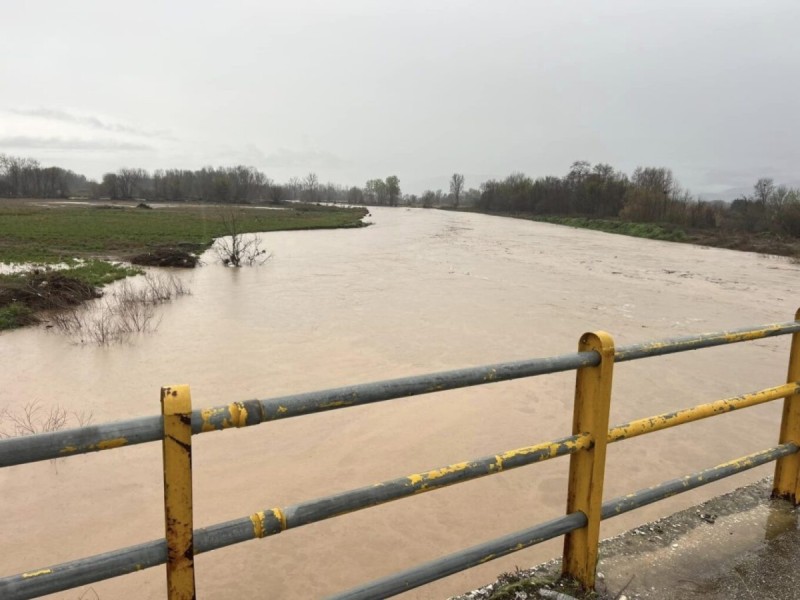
(355, 90)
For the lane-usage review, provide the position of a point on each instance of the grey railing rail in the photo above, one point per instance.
(139, 430)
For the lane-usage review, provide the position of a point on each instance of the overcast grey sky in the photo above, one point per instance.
(360, 89)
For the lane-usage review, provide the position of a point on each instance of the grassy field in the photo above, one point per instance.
(762, 243)
(91, 238)
(643, 230)
(52, 233)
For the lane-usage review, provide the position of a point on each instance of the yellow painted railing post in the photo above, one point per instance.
(786, 483)
(176, 407)
(587, 467)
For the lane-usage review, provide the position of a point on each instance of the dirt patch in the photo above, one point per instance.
(23, 295)
(42, 290)
(166, 257)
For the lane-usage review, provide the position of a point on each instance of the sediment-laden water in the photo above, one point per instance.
(418, 291)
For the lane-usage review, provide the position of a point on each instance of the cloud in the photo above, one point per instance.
(53, 114)
(311, 159)
(60, 143)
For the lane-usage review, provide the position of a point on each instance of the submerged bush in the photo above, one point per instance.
(128, 310)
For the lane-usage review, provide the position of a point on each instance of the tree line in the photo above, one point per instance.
(27, 178)
(649, 194)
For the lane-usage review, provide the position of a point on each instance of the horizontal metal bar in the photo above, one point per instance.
(92, 438)
(270, 522)
(703, 340)
(21, 450)
(15, 451)
(623, 504)
(463, 559)
(356, 395)
(702, 411)
(331, 506)
(273, 521)
(83, 571)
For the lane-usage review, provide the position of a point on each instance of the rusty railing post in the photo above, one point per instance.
(176, 408)
(587, 467)
(786, 483)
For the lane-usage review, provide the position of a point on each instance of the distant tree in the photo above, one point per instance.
(311, 188)
(330, 193)
(393, 189)
(472, 197)
(790, 215)
(656, 179)
(129, 182)
(376, 192)
(294, 188)
(456, 185)
(653, 188)
(276, 193)
(763, 189)
(355, 195)
(109, 186)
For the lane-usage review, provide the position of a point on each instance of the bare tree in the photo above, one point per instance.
(129, 181)
(456, 185)
(311, 188)
(237, 248)
(763, 189)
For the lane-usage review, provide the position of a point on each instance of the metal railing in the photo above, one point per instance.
(594, 363)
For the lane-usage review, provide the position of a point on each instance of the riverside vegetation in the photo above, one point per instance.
(78, 248)
(647, 203)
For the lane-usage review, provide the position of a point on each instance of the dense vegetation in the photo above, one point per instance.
(649, 195)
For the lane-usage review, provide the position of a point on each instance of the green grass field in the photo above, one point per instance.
(91, 238)
(51, 233)
(650, 231)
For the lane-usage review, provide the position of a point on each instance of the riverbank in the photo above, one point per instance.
(83, 243)
(737, 546)
(762, 243)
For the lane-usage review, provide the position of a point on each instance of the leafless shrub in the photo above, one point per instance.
(131, 315)
(129, 309)
(163, 288)
(33, 418)
(238, 249)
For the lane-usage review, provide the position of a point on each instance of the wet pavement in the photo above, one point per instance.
(738, 546)
(741, 545)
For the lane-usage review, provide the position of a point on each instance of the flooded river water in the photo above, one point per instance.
(418, 291)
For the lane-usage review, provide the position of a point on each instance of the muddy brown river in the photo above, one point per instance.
(418, 291)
